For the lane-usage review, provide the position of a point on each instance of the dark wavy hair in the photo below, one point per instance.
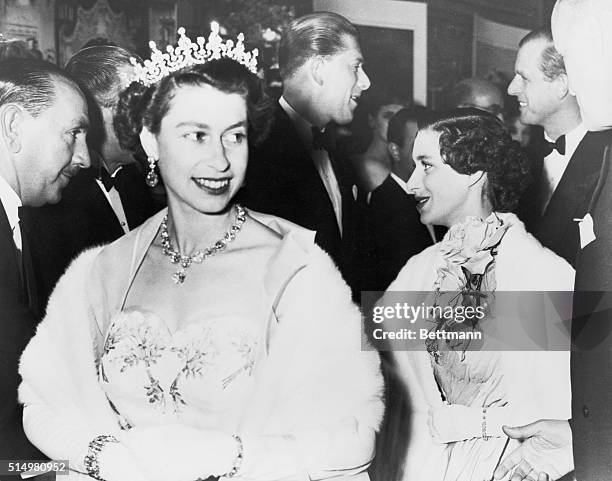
(472, 140)
(140, 106)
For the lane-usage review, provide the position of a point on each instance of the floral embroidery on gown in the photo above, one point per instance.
(466, 377)
(490, 255)
(199, 374)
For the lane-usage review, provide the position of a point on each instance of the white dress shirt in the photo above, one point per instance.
(11, 203)
(555, 163)
(115, 202)
(320, 158)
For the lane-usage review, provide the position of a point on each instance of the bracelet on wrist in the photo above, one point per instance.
(91, 459)
(238, 459)
(484, 425)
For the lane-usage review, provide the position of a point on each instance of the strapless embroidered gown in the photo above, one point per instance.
(200, 375)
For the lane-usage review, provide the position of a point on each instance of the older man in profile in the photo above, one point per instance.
(103, 202)
(582, 34)
(43, 124)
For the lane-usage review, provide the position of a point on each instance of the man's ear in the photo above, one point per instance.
(12, 118)
(562, 86)
(371, 121)
(149, 143)
(317, 66)
(394, 151)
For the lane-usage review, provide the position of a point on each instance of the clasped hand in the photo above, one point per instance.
(546, 452)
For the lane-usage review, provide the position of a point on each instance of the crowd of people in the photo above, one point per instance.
(184, 262)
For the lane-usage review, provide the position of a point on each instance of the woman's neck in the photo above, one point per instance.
(191, 230)
(480, 212)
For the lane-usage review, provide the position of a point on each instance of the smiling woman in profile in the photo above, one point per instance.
(468, 176)
(211, 341)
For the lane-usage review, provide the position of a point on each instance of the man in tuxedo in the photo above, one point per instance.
(296, 172)
(582, 35)
(394, 230)
(565, 180)
(43, 124)
(105, 201)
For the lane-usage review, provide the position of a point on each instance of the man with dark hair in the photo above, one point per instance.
(43, 124)
(394, 225)
(106, 201)
(572, 156)
(478, 93)
(296, 173)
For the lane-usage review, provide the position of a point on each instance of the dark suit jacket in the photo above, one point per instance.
(591, 363)
(395, 233)
(282, 180)
(82, 219)
(18, 319)
(556, 228)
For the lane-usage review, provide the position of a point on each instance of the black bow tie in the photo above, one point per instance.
(558, 145)
(321, 139)
(107, 181)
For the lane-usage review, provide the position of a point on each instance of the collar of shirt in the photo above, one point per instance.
(11, 203)
(401, 182)
(555, 164)
(116, 171)
(111, 176)
(303, 127)
(572, 139)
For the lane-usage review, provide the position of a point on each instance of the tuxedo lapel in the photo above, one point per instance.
(6, 234)
(10, 277)
(300, 158)
(315, 206)
(578, 179)
(135, 197)
(344, 176)
(100, 210)
(29, 279)
(282, 180)
(558, 230)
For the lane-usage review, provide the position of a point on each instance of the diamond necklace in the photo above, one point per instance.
(185, 261)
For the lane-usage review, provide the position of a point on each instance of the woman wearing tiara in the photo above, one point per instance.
(468, 176)
(211, 341)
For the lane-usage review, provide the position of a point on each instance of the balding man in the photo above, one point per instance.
(478, 93)
(103, 202)
(43, 124)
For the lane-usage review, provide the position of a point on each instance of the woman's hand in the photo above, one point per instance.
(174, 452)
(117, 463)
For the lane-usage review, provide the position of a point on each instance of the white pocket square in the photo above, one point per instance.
(587, 234)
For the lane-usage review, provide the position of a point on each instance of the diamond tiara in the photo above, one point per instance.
(187, 53)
